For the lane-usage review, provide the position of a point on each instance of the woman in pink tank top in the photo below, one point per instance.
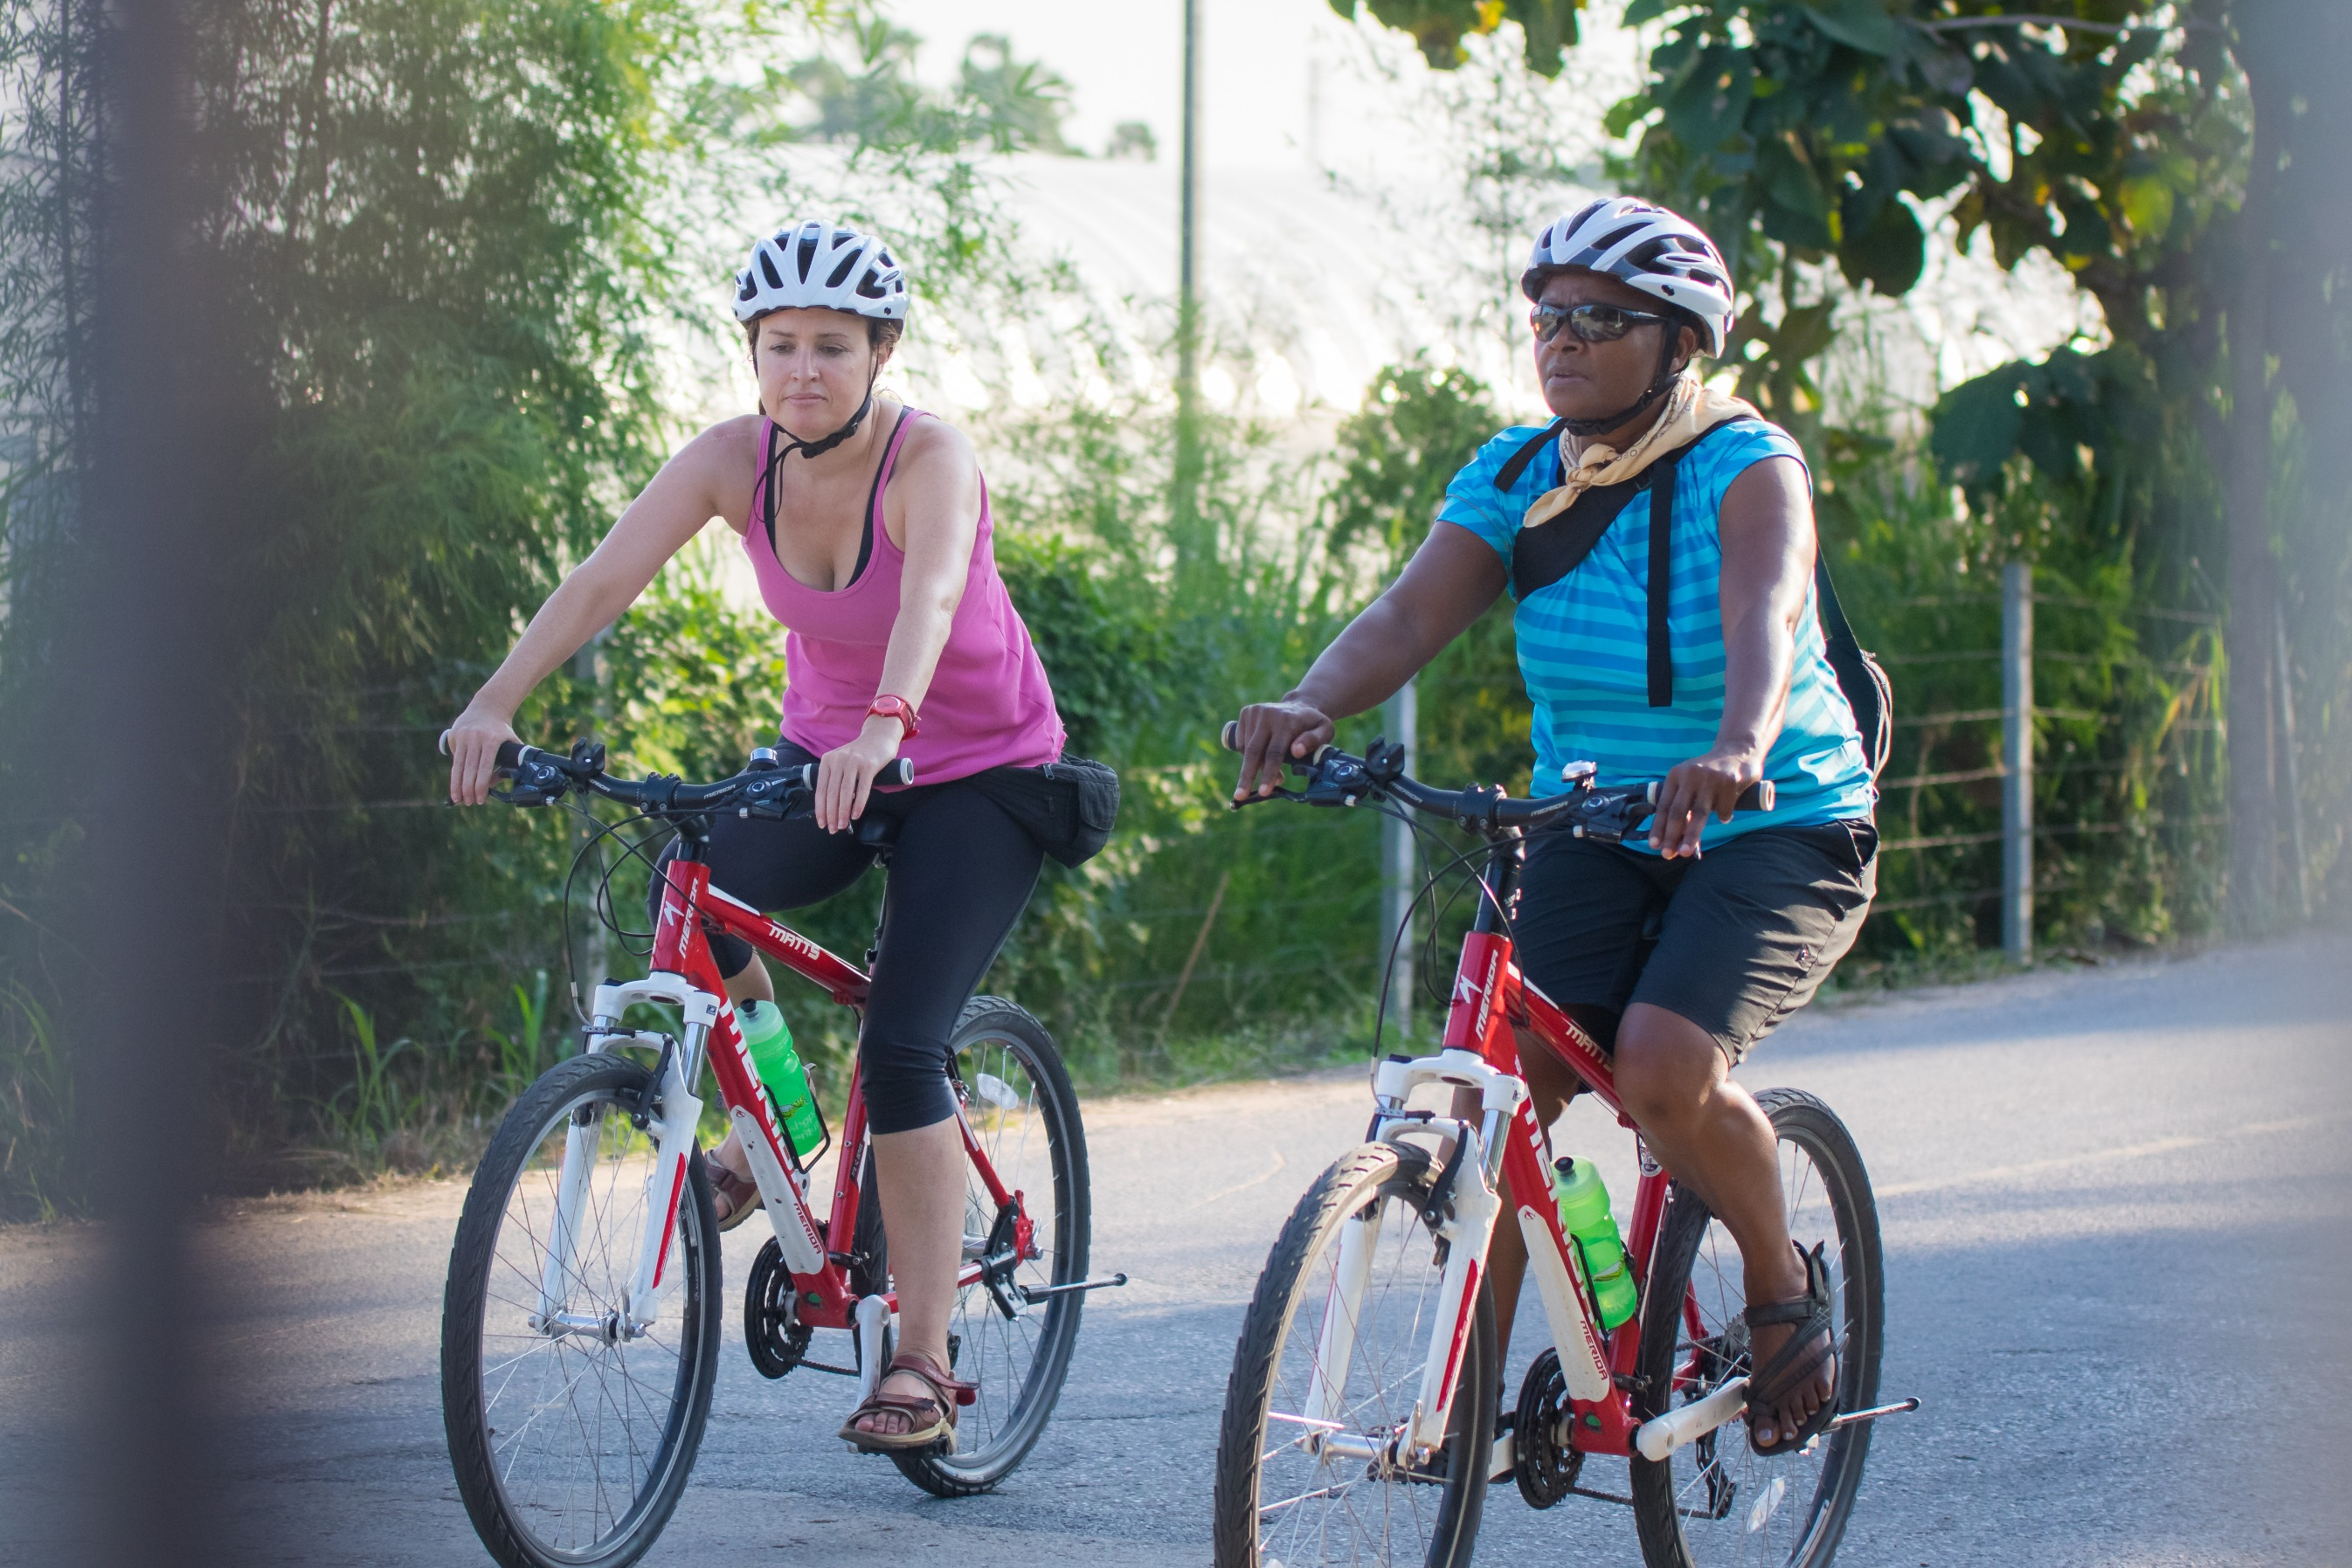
(869, 529)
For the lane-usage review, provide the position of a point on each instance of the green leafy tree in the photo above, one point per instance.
(874, 101)
(1439, 25)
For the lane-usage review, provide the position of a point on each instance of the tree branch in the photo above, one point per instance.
(2038, 19)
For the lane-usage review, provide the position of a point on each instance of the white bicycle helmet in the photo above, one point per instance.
(1661, 253)
(822, 264)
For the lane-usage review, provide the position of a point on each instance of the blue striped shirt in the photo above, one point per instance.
(1584, 649)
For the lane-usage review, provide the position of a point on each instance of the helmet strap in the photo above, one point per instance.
(818, 448)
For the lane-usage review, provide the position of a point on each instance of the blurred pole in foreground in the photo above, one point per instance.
(1186, 502)
(141, 718)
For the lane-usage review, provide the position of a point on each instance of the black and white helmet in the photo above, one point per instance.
(1659, 252)
(823, 264)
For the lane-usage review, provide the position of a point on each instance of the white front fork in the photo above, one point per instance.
(571, 1199)
(674, 1133)
(1335, 1349)
(681, 1113)
(1472, 1228)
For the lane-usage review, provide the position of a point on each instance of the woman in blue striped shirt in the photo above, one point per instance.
(1753, 910)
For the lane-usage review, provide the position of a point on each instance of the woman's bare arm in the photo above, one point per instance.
(691, 489)
(1448, 584)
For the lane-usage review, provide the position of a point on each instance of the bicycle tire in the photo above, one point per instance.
(493, 1366)
(1295, 1282)
(1019, 1371)
(1719, 1489)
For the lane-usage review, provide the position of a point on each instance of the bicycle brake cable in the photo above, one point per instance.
(1437, 914)
(599, 904)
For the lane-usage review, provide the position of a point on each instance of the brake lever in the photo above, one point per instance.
(772, 798)
(1279, 794)
(535, 784)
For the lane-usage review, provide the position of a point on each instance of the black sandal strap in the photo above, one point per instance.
(1814, 1342)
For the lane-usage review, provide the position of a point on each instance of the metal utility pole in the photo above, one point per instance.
(2017, 760)
(1185, 505)
(2294, 768)
(1399, 721)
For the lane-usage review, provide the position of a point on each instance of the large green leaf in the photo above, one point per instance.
(1887, 250)
(1858, 23)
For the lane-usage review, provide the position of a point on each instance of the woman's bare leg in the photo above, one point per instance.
(750, 984)
(921, 1177)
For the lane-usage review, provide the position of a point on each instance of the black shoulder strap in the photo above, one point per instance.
(1509, 474)
(1835, 628)
(1542, 556)
(1661, 561)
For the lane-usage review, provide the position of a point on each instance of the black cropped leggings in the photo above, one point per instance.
(960, 877)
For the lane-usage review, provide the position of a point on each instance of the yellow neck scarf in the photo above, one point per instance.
(1692, 410)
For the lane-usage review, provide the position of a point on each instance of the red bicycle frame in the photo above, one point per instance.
(1493, 1002)
(815, 1255)
(1493, 1005)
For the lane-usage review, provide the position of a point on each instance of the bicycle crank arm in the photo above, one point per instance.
(1662, 1435)
(1032, 1294)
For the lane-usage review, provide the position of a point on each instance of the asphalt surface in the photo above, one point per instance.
(2116, 1206)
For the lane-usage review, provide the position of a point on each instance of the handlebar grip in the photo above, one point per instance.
(1757, 797)
(897, 770)
(511, 753)
(1229, 737)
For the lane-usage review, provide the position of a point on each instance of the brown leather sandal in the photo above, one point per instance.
(930, 1418)
(735, 1197)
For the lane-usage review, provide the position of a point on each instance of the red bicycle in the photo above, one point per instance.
(580, 1330)
(1360, 1422)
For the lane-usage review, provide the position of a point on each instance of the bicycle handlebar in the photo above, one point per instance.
(1337, 779)
(765, 789)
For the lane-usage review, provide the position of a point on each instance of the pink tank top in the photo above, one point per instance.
(989, 705)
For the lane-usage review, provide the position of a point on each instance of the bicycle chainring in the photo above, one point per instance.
(1546, 1466)
(773, 1331)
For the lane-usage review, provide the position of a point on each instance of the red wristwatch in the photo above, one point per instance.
(899, 708)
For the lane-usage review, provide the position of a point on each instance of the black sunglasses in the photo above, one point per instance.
(1590, 323)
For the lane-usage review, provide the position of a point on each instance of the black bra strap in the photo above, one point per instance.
(873, 499)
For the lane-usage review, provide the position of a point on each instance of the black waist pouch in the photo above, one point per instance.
(1069, 807)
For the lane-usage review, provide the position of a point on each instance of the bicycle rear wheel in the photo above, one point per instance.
(1017, 1097)
(572, 1448)
(1281, 1497)
(1716, 1502)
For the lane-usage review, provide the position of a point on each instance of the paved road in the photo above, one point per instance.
(2117, 1205)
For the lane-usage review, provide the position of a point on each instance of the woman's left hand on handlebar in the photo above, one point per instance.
(1704, 784)
(472, 746)
(845, 776)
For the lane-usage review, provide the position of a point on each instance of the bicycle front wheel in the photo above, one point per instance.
(1017, 1098)
(1718, 1502)
(572, 1443)
(1316, 1350)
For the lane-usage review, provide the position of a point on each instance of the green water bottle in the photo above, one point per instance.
(1584, 1214)
(781, 1069)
